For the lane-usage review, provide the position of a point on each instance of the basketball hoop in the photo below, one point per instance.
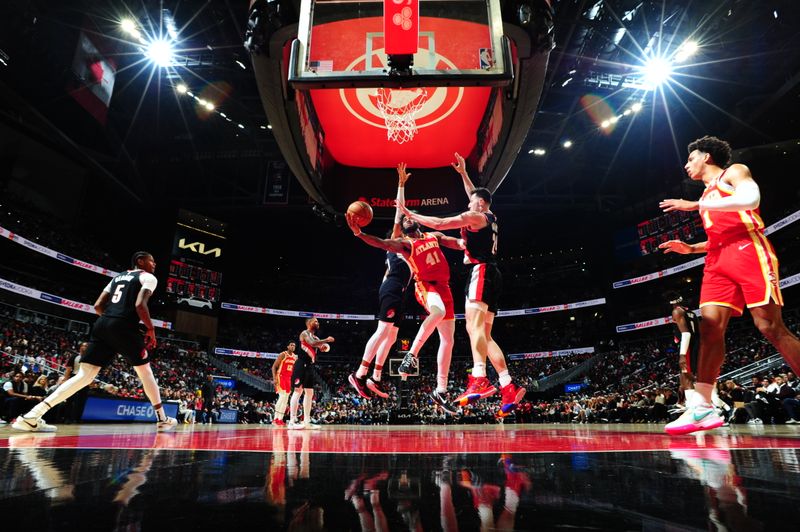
(399, 108)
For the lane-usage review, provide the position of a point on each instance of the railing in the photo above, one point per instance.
(236, 373)
(754, 368)
(52, 368)
(43, 318)
(566, 374)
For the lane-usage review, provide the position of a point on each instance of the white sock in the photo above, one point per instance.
(704, 392)
(689, 394)
(505, 378)
(479, 369)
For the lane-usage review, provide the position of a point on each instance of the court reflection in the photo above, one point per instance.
(697, 484)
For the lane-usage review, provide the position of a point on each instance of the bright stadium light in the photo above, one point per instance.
(605, 124)
(686, 50)
(210, 106)
(182, 88)
(128, 25)
(539, 152)
(567, 144)
(636, 107)
(160, 52)
(656, 71)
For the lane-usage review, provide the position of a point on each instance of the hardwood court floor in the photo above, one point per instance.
(457, 477)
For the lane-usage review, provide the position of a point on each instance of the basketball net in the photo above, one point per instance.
(399, 108)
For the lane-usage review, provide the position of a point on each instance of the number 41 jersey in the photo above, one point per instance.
(427, 260)
(123, 289)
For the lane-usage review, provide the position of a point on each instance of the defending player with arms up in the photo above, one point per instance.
(282, 370)
(303, 374)
(432, 276)
(479, 234)
(121, 304)
(390, 295)
(741, 269)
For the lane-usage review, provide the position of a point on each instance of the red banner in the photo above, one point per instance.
(401, 26)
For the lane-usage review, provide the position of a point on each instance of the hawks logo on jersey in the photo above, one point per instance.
(427, 260)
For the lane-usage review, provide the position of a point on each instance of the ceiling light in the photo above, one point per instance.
(686, 50)
(539, 152)
(128, 25)
(210, 106)
(636, 107)
(160, 52)
(241, 64)
(182, 88)
(567, 144)
(605, 124)
(656, 71)
(614, 119)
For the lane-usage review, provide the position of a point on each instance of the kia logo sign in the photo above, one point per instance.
(199, 247)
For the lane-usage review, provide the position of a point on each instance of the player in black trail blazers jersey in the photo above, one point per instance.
(122, 303)
(479, 233)
(390, 296)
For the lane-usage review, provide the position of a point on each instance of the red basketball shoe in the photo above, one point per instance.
(512, 394)
(477, 388)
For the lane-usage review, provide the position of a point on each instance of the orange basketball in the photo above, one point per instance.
(361, 211)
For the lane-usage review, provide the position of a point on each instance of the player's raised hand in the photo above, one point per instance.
(402, 174)
(351, 223)
(676, 246)
(459, 166)
(669, 205)
(329, 339)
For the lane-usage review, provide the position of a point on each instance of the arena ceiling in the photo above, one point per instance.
(209, 150)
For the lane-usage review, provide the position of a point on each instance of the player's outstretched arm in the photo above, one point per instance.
(449, 241)
(402, 177)
(392, 244)
(465, 219)
(460, 166)
(682, 248)
(312, 340)
(669, 205)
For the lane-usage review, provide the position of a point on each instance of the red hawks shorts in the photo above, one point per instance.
(286, 382)
(739, 273)
(429, 291)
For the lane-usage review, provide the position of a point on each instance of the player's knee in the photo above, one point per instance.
(771, 329)
(436, 313)
(712, 329)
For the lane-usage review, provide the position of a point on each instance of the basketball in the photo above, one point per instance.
(325, 348)
(361, 211)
